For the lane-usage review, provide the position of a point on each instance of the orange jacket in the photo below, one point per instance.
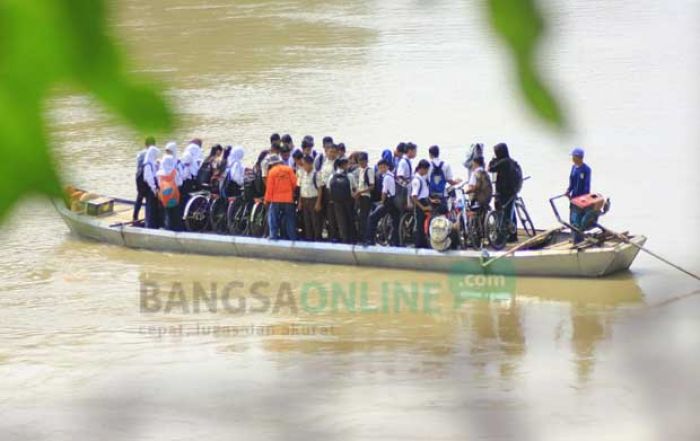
(280, 184)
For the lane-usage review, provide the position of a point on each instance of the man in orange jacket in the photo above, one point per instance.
(279, 198)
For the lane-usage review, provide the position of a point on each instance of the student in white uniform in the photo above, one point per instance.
(421, 202)
(387, 206)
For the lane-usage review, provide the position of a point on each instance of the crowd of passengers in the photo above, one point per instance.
(330, 188)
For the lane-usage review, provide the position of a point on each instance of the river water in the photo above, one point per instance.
(99, 342)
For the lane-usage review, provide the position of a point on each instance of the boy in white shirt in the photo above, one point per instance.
(309, 184)
(421, 202)
(365, 188)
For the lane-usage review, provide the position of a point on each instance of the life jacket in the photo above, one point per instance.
(340, 188)
(169, 194)
(437, 181)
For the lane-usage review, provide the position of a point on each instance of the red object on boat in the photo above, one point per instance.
(591, 201)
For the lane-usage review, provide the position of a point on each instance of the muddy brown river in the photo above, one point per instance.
(104, 343)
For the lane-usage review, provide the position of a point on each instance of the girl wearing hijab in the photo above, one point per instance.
(150, 168)
(169, 184)
(232, 183)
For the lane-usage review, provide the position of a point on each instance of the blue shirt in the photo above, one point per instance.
(579, 180)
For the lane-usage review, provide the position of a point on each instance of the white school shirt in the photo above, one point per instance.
(389, 185)
(472, 178)
(403, 170)
(327, 171)
(419, 187)
(307, 186)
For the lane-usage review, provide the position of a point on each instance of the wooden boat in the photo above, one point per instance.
(558, 259)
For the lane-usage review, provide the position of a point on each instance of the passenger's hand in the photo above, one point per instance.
(317, 207)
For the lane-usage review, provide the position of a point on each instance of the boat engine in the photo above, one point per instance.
(588, 208)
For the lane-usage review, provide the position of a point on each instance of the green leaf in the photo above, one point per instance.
(45, 43)
(521, 26)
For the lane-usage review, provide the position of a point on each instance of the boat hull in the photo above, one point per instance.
(590, 262)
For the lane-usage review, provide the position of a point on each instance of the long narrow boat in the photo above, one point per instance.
(558, 259)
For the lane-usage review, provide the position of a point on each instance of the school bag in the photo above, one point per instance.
(340, 188)
(205, 173)
(169, 194)
(141, 184)
(517, 178)
(376, 193)
(485, 188)
(318, 161)
(437, 181)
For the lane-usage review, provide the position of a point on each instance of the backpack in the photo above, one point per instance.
(376, 194)
(259, 183)
(169, 194)
(318, 162)
(340, 188)
(485, 193)
(204, 175)
(437, 181)
(517, 177)
(141, 184)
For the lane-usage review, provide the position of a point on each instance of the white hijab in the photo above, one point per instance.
(152, 156)
(194, 159)
(234, 165)
(167, 165)
(172, 148)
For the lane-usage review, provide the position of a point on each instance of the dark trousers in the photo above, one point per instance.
(420, 215)
(281, 213)
(329, 215)
(152, 211)
(508, 202)
(377, 214)
(581, 219)
(140, 196)
(173, 218)
(345, 218)
(312, 219)
(185, 190)
(364, 207)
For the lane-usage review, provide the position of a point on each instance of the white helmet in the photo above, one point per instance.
(440, 228)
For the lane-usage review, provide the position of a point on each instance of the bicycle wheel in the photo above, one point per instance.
(475, 232)
(217, 215)
(385, 229)
(197, 214)
(234, 215)
(524, 217)
(257, 221)
(407, 225)
(496, 234)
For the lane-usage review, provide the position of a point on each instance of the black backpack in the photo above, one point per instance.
(204, 174)
(340, 188)
(141, 185)
(517, 177)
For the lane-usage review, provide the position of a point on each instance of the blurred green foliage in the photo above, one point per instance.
(521, 26)
(45, 43)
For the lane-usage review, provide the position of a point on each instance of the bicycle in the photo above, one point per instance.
(257, 221)
(196, 215)
(470, 221)
(499, 225)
